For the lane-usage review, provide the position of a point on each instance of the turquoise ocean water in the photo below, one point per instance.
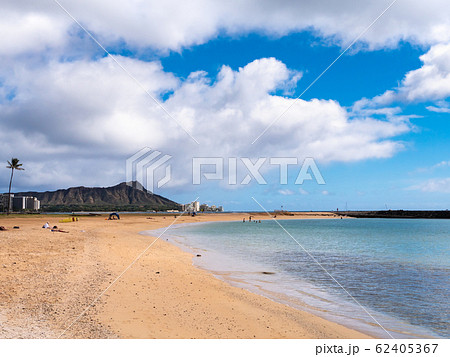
(396, 270)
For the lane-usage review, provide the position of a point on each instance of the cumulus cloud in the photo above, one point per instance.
(30, 32)
(431, 82)
(87, 110)
(74, 117)
(173, 24)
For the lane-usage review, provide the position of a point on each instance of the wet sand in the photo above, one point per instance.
(48, 279)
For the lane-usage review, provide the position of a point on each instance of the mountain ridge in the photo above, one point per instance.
(123, 196)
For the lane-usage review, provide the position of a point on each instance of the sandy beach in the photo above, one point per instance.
(48, 281)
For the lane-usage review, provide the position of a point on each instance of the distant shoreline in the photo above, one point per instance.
(405, 214)
(397, 214)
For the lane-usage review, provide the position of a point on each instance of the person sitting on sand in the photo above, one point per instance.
(46, 225)
(2, 228)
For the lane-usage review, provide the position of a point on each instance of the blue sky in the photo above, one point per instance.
(370, 184)
(376, 123)
(362, 74)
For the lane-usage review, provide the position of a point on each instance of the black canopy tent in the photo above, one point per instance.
(114, 216)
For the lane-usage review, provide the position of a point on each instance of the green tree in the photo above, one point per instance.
(13, 165)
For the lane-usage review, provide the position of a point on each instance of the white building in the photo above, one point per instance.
(191, 207)
(32, 203)
(25, 203)
(196, 205)
(205, 208)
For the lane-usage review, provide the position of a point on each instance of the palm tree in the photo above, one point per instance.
(13, 165)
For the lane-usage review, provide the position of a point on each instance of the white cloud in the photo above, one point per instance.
(442, 164)
(286, 192)
(441, 185)
(30, 32)
(303, 192)
(441, 107)
(439, 165)
(431, 82)
(174, 24)
(75, 119)
(88, 110)
(325, 193)
(438, 109)
(231, 112)
(86, 104)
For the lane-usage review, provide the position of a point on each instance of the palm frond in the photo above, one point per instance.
(14, 164)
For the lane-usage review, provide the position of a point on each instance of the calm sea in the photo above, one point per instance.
(395, 272)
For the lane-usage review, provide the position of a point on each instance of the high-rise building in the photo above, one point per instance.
(196, 206)
(18, 204)
(25, 203)
(32, 203)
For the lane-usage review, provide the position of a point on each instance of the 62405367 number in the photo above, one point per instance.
(406, 348)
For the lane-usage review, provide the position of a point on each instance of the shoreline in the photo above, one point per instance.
(284, 289)
(163, 295)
